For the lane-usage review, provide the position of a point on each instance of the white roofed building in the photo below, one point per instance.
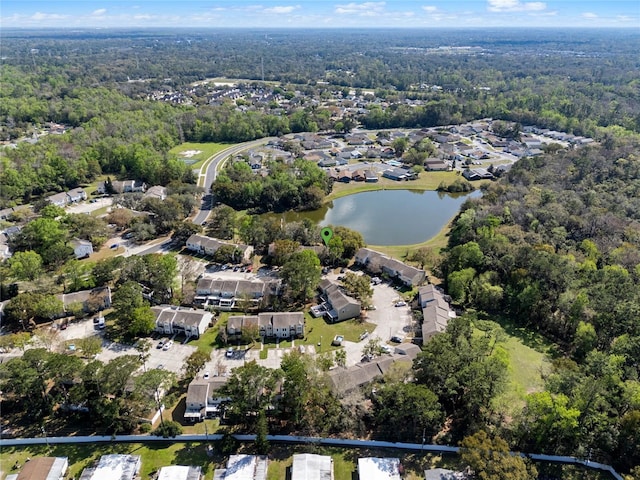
(243, 467)
(377, 468)
(308, 466)
(180, 472)
(113, 467)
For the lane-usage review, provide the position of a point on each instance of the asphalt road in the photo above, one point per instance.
(209, 171)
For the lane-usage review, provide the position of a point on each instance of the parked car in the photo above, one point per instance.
(205, 375)
(229, 352)
(167, 345)
(364, 335)
(337, 340)
(160, 344)
(401, 303)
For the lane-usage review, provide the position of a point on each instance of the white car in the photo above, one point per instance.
(167, 345)
(401, 304)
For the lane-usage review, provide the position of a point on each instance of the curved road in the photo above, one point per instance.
(210, 169)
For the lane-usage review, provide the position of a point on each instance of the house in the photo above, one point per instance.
(358, 176)
(92, 301)
(5, 213)
(179, 472)
(376, 263)
(208, 246)
(376, 468)
(81, 248)
(399, 174)
(473, 174)
(59, 199)
(345, 176)
(76, 195)
(340, 306)
(156, 192)
(370, 176)
(243, 467)
(171, 320)
(42, 468)
(114, 467)
(435, 165)
(309, 466)
(204, 398)
(128, 186)
(232, 294)
(435, 311)
(270, 324)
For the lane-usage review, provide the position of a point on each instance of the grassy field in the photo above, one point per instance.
(529, 357)
(206, 150)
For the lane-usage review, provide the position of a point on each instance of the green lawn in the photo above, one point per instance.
(208, 341)
(197, 160)
(318, 328)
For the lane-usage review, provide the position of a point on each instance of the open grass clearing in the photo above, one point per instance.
(529, 356)
(187, 152)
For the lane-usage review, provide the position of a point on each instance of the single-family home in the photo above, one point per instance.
(58, 199)
(76, 195)
(114, 466)
(42, 468)
(399, 174)
(127, 186)
(204, 398)
(473, 174)
(171, 320)
(81, 248)
(156, 191)
(370, 176)
(243, 467)
(435, 165)
(340, 306)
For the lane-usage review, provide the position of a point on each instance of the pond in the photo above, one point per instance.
(388, 217)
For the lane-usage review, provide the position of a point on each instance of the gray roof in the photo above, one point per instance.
(308, 466)
(179, 472)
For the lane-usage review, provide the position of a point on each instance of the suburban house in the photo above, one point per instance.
(399, 174)
(91, 301)
(236, 294)
(203, 400)
(124, 186)
(340, 306)
(156, 192)
(472, 174)
(171, 320)
(370, 176)
(376, 468)
(65, 198)
(435, 165)
(114, 466)
(270, 324)
(208, 246)
(81, 248)
(243, 467)
(308, 466)
(42, 468)
(180, 472)
(435, 311)
(376, 263)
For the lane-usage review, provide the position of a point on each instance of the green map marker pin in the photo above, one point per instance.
(326, 234)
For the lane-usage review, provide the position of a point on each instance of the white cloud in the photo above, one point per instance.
(515, 6)
(589, 15)
(366, 8)
(99, 12)
(430, 8)
(282, 9)
(39, 16)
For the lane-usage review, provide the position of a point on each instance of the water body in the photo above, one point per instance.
(388, 217)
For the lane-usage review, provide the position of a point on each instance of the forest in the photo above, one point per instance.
(553, 246)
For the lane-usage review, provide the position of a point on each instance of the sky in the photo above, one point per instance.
(318, 13)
